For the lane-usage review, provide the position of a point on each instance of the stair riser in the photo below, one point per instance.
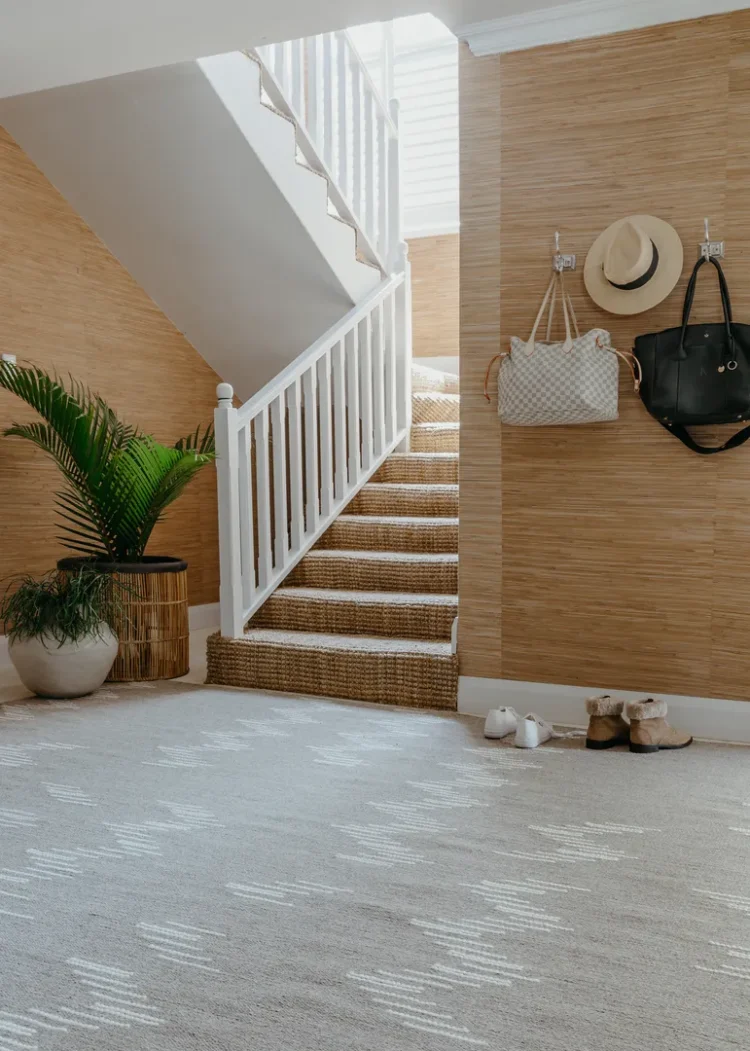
(431, 622)
(351, 574)
(429, 440)
(435, 503)
(413, 471)
(435, 408)
(380, 536)
(409, 680)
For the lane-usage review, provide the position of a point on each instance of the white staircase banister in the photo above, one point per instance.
(320, 429)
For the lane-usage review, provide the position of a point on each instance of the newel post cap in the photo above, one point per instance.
(225, 392)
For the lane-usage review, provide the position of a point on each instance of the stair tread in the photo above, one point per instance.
(444, 425)
(421, 520)
(310, 640)
(415, 487)
(384, 556)
(439, 457)
(392, 598)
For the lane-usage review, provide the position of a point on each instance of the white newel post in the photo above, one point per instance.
(227, 468)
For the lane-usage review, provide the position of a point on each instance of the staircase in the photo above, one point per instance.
(367, 613)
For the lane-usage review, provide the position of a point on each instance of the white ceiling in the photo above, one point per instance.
(47, 43)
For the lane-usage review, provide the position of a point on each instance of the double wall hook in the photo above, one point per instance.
(709, 249)
(561, 260)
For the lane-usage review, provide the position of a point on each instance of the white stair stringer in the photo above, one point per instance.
(274, 140)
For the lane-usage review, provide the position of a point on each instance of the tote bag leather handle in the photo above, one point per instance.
(689, 297)
(531, 342)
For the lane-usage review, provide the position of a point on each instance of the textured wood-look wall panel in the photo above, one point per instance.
(625, 559)
(67, 304)
(434, 286)
(480, 494)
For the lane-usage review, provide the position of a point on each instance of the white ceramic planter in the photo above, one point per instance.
(71, 670)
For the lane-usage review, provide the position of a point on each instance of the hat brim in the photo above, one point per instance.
(668, 271)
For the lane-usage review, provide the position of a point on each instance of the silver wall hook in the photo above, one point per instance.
(561, 260)
(709, 249)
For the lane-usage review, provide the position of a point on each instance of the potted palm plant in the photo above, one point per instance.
(60, 638)
(118, 483)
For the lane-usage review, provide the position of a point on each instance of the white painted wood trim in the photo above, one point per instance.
(582, 19)
(708, 718)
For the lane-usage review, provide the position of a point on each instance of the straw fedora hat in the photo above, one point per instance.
(634, 264)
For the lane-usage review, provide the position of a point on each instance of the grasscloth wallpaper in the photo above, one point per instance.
(68, 305)
(606, 555)
(434, 289)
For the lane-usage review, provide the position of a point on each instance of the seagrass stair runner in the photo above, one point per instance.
(367, 614)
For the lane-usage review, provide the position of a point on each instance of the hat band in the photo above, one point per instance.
(641, 281)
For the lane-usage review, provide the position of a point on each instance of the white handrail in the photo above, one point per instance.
(296, 453)
(345, 131)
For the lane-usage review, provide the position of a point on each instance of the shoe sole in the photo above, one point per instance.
(498, 737)
(648, 749)
(601, 745)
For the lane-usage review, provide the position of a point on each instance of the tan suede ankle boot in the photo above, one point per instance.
(607, 728)
(649, 729)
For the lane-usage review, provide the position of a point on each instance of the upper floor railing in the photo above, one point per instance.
(345, 130)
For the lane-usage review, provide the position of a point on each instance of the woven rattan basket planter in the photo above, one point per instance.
(153, 627)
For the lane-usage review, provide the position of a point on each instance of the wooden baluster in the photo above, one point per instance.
(329, 139)
(378, 380)
(394, 193)
(312, 71)
(326, 435)
(339, 420)
(369, 169)
(296, 470)
(357, 144)
(280, 517)
(383, 144)
(351, 344)
(297, 69)
(263, 500)
(309, 395)
(391, 396)
(342, 87)
(247, 538)
(365, 377)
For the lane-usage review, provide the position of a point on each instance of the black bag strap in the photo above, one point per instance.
(681, 432)
(726, 303)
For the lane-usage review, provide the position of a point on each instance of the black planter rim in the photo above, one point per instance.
(147, 564)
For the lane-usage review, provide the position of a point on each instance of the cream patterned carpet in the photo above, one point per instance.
(188, 868)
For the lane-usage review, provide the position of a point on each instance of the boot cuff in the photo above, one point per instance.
(605, 705)
(647, 709)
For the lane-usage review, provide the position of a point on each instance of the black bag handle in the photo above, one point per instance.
(726, 303)
(679, 431)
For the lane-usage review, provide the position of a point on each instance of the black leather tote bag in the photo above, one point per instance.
(698, 374)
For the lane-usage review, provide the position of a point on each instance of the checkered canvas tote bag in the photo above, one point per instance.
(542, 384)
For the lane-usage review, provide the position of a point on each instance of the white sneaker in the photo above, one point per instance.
(532, 731)
(500, 722)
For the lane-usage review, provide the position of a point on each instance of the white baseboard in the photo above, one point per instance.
(204, 616)
(705, 717)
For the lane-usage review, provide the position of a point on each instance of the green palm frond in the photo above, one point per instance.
(118, 481)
